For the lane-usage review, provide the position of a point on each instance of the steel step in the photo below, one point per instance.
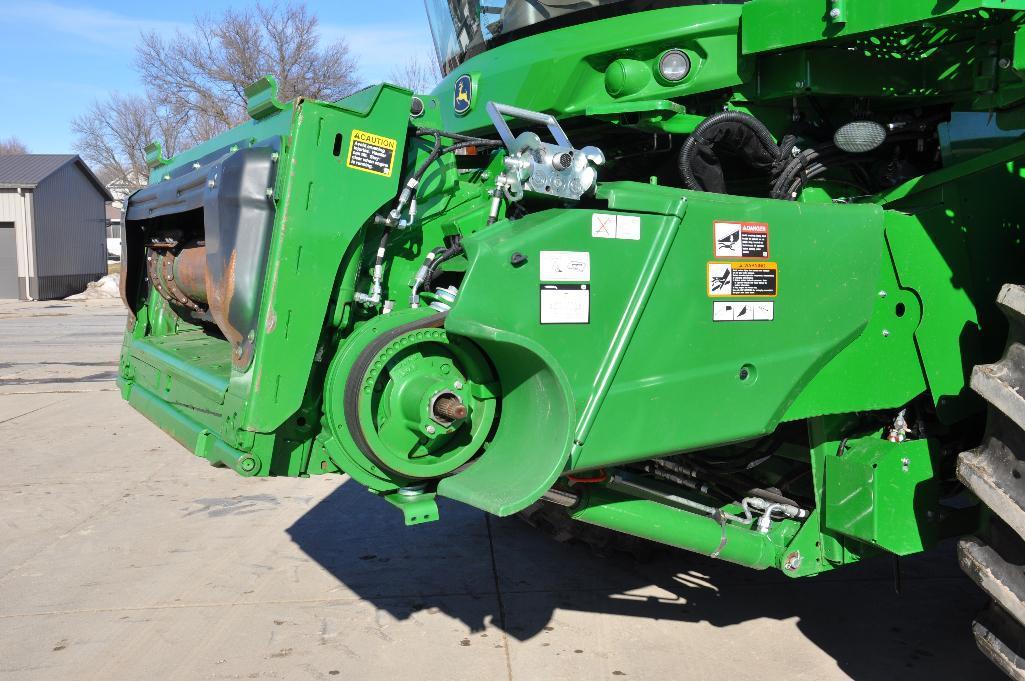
(1000, 638)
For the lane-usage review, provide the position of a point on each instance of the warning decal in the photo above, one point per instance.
(742, 279)
(743, 311)
(565, 303)
(740, 239)
(371, 153)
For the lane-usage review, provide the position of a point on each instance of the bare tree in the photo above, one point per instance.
(195, 84)
(203, 75)
(419, 74)
(112, 134)
(12, 146)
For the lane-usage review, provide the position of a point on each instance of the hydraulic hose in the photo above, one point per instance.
(736, 130)
(408, 195)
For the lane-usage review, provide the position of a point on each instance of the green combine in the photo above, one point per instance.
(741, 278)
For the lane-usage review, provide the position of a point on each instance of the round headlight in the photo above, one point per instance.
(674, 65)
(859, 137)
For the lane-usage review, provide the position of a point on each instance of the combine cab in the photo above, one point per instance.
(713, 274)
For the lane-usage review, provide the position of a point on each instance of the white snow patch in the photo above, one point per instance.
(106, 287)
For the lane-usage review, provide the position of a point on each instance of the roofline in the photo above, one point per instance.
(82, 165)
(92, 178)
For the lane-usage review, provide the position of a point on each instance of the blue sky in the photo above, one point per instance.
(60, 55)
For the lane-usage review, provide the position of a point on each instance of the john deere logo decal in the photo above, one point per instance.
(463, 94)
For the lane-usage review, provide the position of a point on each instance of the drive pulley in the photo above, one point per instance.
(416, 404)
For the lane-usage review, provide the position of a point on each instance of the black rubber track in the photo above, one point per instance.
(995, 472)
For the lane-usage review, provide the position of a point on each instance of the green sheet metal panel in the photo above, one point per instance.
(780, 24)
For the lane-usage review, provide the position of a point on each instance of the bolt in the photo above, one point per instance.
(834, 13)
(793, 561)
(799, 84)
(274, 157)
(744, 373)
(211, 184)
(431, 430)
(270, 192)
(1004, 63)
(905, 463)
(248, 464)
(196, 166)
(886, 333)
(882, 294)
(458, 385)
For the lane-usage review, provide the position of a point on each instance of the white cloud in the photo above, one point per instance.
(380, 48)
(95, 26)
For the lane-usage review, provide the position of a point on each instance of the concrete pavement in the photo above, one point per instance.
(124, 557)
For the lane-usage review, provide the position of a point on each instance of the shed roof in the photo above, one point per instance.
(28, 170)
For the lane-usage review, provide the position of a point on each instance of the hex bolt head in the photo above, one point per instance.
(211, 184)
(1004, 63)
(458, 385)
(886, 333)
(431, 430)
(834, 13)
(793, 561)
(882, 294)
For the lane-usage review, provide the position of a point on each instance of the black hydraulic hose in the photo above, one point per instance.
(700, 140)
(813, 162)
(452, 251)
(438, 151)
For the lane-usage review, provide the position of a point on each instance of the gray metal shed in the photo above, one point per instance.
(52, 226)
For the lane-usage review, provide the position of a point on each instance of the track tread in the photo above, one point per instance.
(989, 471)
(995, 573)
(995, 472)
(992, 630)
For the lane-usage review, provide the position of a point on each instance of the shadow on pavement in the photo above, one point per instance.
(518, 580)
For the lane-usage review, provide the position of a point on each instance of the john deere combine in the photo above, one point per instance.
(714, 274)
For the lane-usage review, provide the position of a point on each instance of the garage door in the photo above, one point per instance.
(8, 262)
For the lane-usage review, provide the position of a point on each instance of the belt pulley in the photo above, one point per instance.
(416, 403)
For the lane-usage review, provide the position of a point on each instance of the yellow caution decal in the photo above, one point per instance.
(371, 153)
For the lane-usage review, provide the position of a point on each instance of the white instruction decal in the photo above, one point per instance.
(565, 303)
(604, 226)
(628, 227)
(740, 239)
(565, 266)
(742, 311)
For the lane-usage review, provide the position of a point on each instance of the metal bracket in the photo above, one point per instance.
(532, 165)
(262, 98)
(417, 507)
